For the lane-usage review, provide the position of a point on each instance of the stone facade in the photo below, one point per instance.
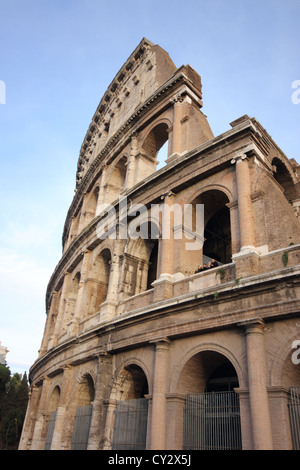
(128, 317)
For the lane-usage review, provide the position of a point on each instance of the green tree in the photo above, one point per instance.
(13, 403)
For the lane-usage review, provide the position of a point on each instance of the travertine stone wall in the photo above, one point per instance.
(128, 317)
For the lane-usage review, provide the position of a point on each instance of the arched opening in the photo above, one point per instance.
(82, 423)
(211, 411)
(86, 391)
(100, 279)
(154, 150)
(52, 411)
(217, 236)
(283, 177)
(93, 204)
(222, 379)
(54, 400)
(152, 268)
(130, 426)
(217, 229)
(71, 302)
(141, 258)
(162, 155)
(116, 181)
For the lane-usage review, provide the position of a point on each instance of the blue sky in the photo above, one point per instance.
(58, 57)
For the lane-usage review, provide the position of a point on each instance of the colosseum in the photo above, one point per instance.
(173, 314)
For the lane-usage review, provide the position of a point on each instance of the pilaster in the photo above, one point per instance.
(158, 412)
(258, 395)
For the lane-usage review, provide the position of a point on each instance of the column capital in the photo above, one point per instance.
(161, 343)
(255, 325)
(102, 356)
(239, 157)
(177, 99)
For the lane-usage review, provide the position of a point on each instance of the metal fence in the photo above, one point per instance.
(130, 428)
(212, 422)
(50, 430)
(81, 429)
(294, 410)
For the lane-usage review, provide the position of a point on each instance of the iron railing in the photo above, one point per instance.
(294, 411)
(212, 421)
(130, 428)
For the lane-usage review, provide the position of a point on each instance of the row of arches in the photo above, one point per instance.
(203, 411)
(131, 417)
(121, 173)
(133, 269)
(137, 266)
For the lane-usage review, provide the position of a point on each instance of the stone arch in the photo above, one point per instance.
(52, 409)
(116, 178)
(72, 298)
(130, 382)
(155, 139)
(285, 177)
(211, 187)
(86, 390)
(92, 203)
(99, 280)
(140, 264)
(80, 408)
(54, 399)
(283, 370)
(217, 223)
(75, 223)
(203, 371)
(129, 412)
(216, 356)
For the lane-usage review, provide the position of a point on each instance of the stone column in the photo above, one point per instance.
(109, 423)
(101, 196)
(96, 435)
(58, 428)
(166, 240)
(79, 309)
(247, 240)
(38, 439)
(82, 220)
(176, 134)
(259, 402)
(60, 436)
(30, 419)
(108, 308)
(130, 177)
(163, 286)
(61, 311)
(49, 327)
(158, 414)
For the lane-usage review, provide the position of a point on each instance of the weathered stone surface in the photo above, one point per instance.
(128, 317)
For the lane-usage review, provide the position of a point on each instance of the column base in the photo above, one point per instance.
(163, 286)
(108, 310)
(246, 262)
(173, 157)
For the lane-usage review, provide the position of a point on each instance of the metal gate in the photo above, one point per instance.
(294, 410)
(81, 427)
(130, 428)
(212, 422)
(50, 430)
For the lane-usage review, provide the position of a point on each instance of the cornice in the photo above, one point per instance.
(252, 286)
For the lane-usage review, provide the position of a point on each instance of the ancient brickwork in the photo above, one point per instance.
(129, 314)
